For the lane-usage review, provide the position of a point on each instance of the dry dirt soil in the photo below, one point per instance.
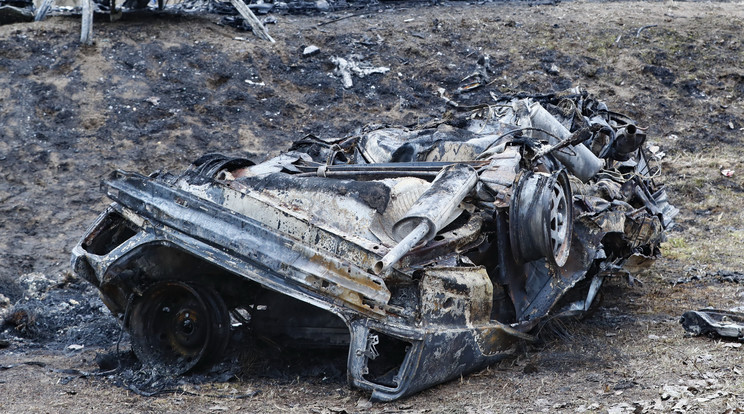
(157, 90)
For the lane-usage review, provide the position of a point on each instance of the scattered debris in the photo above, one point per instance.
(656, 152)
(721, 276)
(310, 51)
(479, 77)
(13, 11)
(687, 395)
(346, 67)
(426, 253)
(726, 172)
(713, 322)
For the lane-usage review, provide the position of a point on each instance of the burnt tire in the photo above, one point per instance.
(176, 327)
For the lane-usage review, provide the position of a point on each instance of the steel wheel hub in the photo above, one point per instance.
(176, 326)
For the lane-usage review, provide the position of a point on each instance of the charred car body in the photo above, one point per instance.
(428, 253)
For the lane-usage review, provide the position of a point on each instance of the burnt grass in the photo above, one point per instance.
(157, 90)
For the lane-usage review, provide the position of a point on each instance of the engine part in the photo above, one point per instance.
(434, 209)
(579, 160)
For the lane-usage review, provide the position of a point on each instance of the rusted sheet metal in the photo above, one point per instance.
(301, 263)
(451, 296)
(429, 253)
(714, 322)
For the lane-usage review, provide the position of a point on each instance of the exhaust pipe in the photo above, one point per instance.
(437, 207)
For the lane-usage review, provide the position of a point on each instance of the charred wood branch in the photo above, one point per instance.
(86, 29)
(638, 33)
(258, 28)
(43, 10)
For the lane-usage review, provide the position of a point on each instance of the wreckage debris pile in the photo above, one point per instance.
(15, 11)
(495, 215)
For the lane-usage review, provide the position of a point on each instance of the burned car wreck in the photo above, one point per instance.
(428, 253)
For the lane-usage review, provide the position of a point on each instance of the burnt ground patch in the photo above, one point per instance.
(157, 91)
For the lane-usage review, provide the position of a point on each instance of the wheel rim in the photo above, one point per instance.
(559, 226)
(540, 218)
(175, 326)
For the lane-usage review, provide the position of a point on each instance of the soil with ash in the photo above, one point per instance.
(158, 90)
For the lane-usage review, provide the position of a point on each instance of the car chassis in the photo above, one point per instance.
(429, 253)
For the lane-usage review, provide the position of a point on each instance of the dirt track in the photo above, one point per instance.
(157, 91)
